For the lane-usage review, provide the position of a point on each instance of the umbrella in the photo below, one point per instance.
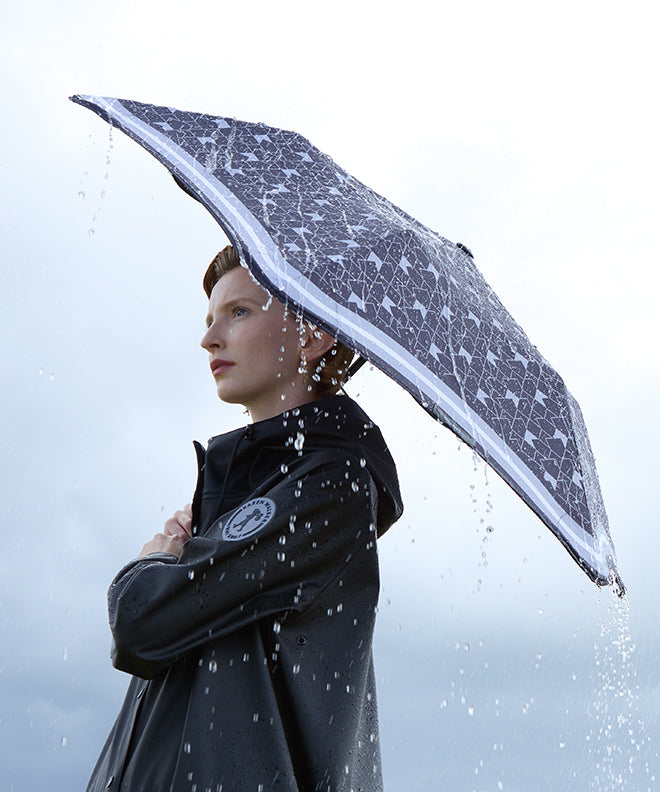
(405, 298)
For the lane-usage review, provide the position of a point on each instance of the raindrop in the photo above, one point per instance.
(276, 627)
(284, 468)
(81, 194)
(213, 666)
(299, 442)
(470, 710)
(355, 486)
(191, 574)
(64, 742)
(296, 668)
(187, 747)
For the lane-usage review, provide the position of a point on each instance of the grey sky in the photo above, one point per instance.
(526, 132)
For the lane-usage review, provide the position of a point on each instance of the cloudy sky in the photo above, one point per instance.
(526, 131)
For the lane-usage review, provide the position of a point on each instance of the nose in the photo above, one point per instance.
(212, 339)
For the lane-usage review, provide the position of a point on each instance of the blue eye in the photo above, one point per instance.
(238, 311)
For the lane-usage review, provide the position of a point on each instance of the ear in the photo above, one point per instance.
(314, 343)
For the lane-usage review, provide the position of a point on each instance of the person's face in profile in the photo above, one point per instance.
(254, 347)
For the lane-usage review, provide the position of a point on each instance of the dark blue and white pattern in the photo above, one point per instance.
(405, 298)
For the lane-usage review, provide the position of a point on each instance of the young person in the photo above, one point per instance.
(247, 622)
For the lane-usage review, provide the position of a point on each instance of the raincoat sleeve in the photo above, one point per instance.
(302, 535)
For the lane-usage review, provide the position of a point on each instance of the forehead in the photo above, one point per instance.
(237, 284)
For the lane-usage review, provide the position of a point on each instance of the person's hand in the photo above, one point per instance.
(180, 522)
(176, 532)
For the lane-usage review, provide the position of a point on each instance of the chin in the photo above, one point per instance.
(228, 397)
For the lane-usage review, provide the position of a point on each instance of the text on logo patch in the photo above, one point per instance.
(249, 519)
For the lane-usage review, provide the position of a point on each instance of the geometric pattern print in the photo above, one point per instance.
(407, 299)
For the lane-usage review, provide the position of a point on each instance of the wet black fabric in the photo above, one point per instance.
(251, 654)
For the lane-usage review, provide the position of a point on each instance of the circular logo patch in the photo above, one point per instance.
(249, 519)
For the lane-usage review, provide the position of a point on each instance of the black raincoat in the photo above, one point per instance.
(251, 653)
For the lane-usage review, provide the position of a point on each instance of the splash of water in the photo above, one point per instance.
(481, 498)
(617, 737)
(92, 229)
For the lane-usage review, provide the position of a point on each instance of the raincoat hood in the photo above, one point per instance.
(239, 462)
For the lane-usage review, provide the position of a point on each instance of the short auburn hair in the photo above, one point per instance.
(331, 371)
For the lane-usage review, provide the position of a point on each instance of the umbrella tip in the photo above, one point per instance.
(617, 584)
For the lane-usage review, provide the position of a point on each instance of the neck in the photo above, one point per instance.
(261, 412)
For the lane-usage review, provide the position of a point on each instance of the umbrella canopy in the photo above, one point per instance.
(402, 296)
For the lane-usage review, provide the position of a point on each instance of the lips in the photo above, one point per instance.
(218, 366)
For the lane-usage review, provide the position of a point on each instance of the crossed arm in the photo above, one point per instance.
(184, 591)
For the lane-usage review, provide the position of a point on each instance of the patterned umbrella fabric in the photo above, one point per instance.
(402, 296)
